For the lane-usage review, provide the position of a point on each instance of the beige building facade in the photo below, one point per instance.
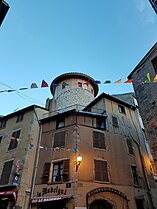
(115, 171)
(19, 132)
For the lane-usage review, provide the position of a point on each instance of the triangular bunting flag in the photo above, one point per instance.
(11, 90)
(5, 136)
(23, 88)
(97, 82)
(129, 81)
(86, 83)
(44, 84)
(118, 81)
(107, 81)
(65, 84)
(54, 84)
(147, 79)
(34, 85)
(155, 79)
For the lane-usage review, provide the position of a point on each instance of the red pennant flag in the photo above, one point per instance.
(44, 84)
(129, 81)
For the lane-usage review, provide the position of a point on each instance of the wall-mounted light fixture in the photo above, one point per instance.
(78, 162)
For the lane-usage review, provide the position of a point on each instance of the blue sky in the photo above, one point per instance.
(43, 39)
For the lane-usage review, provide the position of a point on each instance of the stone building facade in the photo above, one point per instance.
(115, 170)
(18, 141)
(145, 86)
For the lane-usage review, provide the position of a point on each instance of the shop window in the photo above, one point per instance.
(14, 140)
(130, 146)
(59, 139)
(60, 122)
(60, 171)
(19, 118)
(101, 171)
(6, 172)
(3, 124)
(46, 172)
(121, 109)
(115, 121)
(101, 123)
(135, 175)
(98, 140)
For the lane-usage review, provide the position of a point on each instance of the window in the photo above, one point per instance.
(6, 172)
(135, 175)
(14, 140)
(101, 171)
(154, 63)
(114, 121)
(59, 139)
(79, 84)
(130, 146)
(19, 118)
(98, 140)
(101, 123)
(3, 124)
(121, 109)
(60, 122)
(1, 137)
(58, 173)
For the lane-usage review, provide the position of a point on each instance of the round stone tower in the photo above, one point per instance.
(73, 89)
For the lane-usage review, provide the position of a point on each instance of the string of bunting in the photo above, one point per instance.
(64, 84)
(31, 145)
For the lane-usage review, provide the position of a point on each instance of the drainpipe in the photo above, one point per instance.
(35, 162)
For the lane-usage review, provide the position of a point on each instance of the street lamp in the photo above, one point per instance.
(78, 162)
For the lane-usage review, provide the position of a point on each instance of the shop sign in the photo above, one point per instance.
(49, 198)
(51, 191)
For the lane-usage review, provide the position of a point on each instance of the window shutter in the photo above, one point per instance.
(59, 139)
(46, 172)
(13, 143)
(98, 140)
(101, 171)
(66, 170)
(130, 146)
(6, 172)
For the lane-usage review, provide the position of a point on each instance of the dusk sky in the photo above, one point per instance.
(39, 40)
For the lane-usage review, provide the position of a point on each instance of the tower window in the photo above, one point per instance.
(79, 84)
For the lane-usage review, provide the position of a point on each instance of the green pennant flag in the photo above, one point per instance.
(107, 81)
(65, 84)
(147, 79)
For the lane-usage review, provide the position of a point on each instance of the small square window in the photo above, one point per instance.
(101, 123)
(19, 118)
(135, 175)
(79, 84)
(121, 109)
(60, 122)
(3, 124)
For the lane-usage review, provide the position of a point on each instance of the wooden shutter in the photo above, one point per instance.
(98, 140)
(101, 171)
(130, 146)
(46, 172)
(66, 170)
(59, 139)
(6, 172)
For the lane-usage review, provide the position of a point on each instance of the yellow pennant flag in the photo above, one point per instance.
(155, 79)
(118, 81)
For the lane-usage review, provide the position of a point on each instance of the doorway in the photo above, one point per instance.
(100, 204)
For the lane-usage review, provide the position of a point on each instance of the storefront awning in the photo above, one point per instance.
(50, 198)
(10, 192)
